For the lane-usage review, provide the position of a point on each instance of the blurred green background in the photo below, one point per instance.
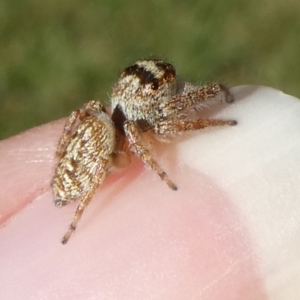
(55, 55)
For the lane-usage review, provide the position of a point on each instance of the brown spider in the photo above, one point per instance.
(146, 98)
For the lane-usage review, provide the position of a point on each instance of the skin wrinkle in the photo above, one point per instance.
(245, 256)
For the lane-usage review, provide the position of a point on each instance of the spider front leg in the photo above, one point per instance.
(133, 135)
(170, 129)
(194, 97)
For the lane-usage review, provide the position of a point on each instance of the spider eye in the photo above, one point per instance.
(154, 85)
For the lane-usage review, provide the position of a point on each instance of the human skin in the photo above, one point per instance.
(231, 231)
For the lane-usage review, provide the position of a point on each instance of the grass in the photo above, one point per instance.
(55, 55)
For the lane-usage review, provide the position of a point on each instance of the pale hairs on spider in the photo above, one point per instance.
(147, 98)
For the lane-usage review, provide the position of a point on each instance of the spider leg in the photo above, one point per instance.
(193, 97)
(132, 132)
(121, 157)
(90, 108)
(169, 129)
(67, 133)
(86, 199)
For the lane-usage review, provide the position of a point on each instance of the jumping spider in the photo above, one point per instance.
(146, 98)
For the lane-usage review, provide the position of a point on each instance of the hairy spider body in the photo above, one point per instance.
(84, 151)
(146, 98)
(151, 82)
